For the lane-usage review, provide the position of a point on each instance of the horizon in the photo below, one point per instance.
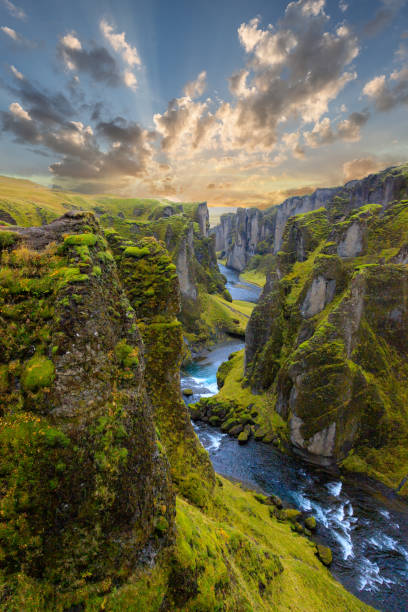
(243, 104)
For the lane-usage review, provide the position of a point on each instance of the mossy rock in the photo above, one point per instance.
(310, 523)
(324, 553)
(243, 437)
(227, 425)
(235, 431)
(161, 525)
(214, 420)
(292, 514)
(276, 501)
(188, 392)
(137, 252)
(80, 240)
(39, 372)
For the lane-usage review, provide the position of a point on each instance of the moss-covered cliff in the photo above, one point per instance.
(83, 483)
(328, 339)
(151, 284)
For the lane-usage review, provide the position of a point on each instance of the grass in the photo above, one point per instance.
(254, 276)
(32, 204)
(229, 317)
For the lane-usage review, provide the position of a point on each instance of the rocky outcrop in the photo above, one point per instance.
(328, 338)
(151, 284)
(84, 483)
(239, 236)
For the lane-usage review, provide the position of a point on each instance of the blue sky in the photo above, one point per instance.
(235, 102)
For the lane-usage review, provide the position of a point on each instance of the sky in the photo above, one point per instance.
(235, 102)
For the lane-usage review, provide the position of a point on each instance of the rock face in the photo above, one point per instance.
(239, 236)
(328, 339)
(151, 284)
(84, 483)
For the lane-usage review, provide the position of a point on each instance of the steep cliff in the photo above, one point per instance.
(249, 231)
(151, 284)
(329, 337)
(83, 485)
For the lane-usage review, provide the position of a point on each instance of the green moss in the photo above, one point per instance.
(137, 252)
(310, 523)
(325, 554)
(3, 378)
(96, 271)
(88, 240)
(38, 372)
(126, 354)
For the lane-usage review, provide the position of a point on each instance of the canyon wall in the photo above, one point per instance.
(242, 234)
(328, 339)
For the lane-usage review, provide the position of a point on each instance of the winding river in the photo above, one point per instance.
(367, 530)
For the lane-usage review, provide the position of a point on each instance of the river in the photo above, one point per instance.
(366, 530)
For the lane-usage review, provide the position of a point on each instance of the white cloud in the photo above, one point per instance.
(17, 73)
(71, 41)
(11, 33)
(348, 130)
(387, 93)
(374, 87)
(14, 10)
(118, 42)
(18, 111)
(343, 6)
(196, 88)
(130, 79)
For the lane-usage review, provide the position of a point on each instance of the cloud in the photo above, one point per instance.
(383, 16)
(196, 88)
(97, 62)
(17, 73)
(387, 93)
(294, 70)
(130, 79)
(17, 38)
(14, 10)
(115, 150)
(18, 111)
(11, 33)
(185, 125)
(343, 6)
(42, 105)
(348, 129)
(118, 42)
(359, 168)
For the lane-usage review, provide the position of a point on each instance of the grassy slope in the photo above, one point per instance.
(255, 277)
(22, 199)
(226, 551)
